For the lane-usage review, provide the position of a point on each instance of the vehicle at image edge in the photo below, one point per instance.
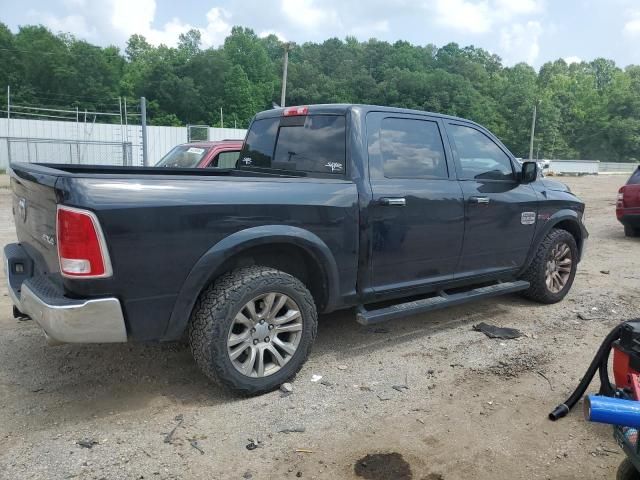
(628, 205)
(205, 154)
(388, 211)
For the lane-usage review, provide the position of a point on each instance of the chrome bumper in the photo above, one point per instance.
(64, 320)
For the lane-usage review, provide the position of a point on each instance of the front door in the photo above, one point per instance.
(416, 215)
(500, 212)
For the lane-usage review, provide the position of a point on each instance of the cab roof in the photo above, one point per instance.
(342, 108)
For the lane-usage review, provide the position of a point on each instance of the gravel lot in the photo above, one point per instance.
(474, 407)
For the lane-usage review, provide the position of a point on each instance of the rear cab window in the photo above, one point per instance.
(635, 178)
(313, 145)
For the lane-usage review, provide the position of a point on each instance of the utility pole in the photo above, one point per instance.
(287, 47)
(221, 119)
(8, 110)
(533, 130)
(143, 123)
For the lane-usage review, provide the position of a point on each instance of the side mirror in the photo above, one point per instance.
(529, 172)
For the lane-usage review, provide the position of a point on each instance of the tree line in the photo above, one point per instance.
(586, 110)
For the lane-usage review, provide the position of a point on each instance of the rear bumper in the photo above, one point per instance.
(630, 219)
(62, 319)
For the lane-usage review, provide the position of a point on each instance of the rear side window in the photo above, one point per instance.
(225, 160)
(479, 158)
(313, 144)
(635, 178)
(412, 149)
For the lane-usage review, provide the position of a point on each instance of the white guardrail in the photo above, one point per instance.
(586, 167)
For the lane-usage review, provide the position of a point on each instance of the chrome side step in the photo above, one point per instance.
(442, 300)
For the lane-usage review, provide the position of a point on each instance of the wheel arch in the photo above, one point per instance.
(564, 219)
(294, 250)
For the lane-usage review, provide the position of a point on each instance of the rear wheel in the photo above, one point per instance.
(626, 471)
(553, 268)
(631, 232)
(253, 329)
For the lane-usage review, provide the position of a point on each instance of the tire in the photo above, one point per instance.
(631, 232)
(536, 273)
(235, 305)
(626, 471)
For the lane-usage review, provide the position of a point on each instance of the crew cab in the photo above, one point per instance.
(210, 154)
(628, 205)
(387, 211)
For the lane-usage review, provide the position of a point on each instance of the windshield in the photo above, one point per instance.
(183, 156)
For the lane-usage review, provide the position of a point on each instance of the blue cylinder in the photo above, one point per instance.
(614, 411)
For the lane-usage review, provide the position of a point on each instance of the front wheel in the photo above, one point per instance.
(626, 471)
(253, 329)
(553, 268)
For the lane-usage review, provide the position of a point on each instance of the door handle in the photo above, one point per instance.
(393, 201)
(480, 200)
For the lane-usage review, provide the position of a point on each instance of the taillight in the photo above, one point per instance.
(620, 201)
(293, 111)
(81, 247)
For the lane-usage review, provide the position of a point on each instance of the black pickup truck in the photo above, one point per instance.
(388, 211)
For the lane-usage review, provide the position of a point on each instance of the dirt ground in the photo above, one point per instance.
(474, 407)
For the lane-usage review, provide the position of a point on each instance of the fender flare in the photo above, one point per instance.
(549, 224)
(207, 267)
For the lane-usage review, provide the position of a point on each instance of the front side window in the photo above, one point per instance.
(412, 149)
(225, 160)
(479, 158)
(310, 144)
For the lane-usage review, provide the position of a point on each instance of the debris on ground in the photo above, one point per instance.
(286, 388)
(342, 367)
(546, 378)
(316, 378)
(87, 442)
(194, 444)
(384, 397)
(379, 330)
(381, 466)
(400, 388)
(169, 436)
(492, 331)
(247, 475)
(299, 429)
(254, 443)
(303, 450)
(586, 316)
(326, 383)
(605, 272)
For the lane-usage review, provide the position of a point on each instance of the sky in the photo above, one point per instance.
(531, 31)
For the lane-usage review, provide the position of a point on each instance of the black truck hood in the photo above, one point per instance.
(555, 185)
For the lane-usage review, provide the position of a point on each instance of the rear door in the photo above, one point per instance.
(500, 212)
(416, 215)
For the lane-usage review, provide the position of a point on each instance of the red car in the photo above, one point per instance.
(628, 205)
(220, 154)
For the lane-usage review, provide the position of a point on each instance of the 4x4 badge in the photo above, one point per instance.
(528, 218)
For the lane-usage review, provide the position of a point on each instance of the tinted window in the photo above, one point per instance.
(412, 149)
(225, 160)
(315, 144)
(258, 146)
(478, 156)
(635, 178)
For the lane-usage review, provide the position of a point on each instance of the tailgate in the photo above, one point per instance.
(631, 196)
(34, 215)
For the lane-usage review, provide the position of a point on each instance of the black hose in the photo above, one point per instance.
(599, 362)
